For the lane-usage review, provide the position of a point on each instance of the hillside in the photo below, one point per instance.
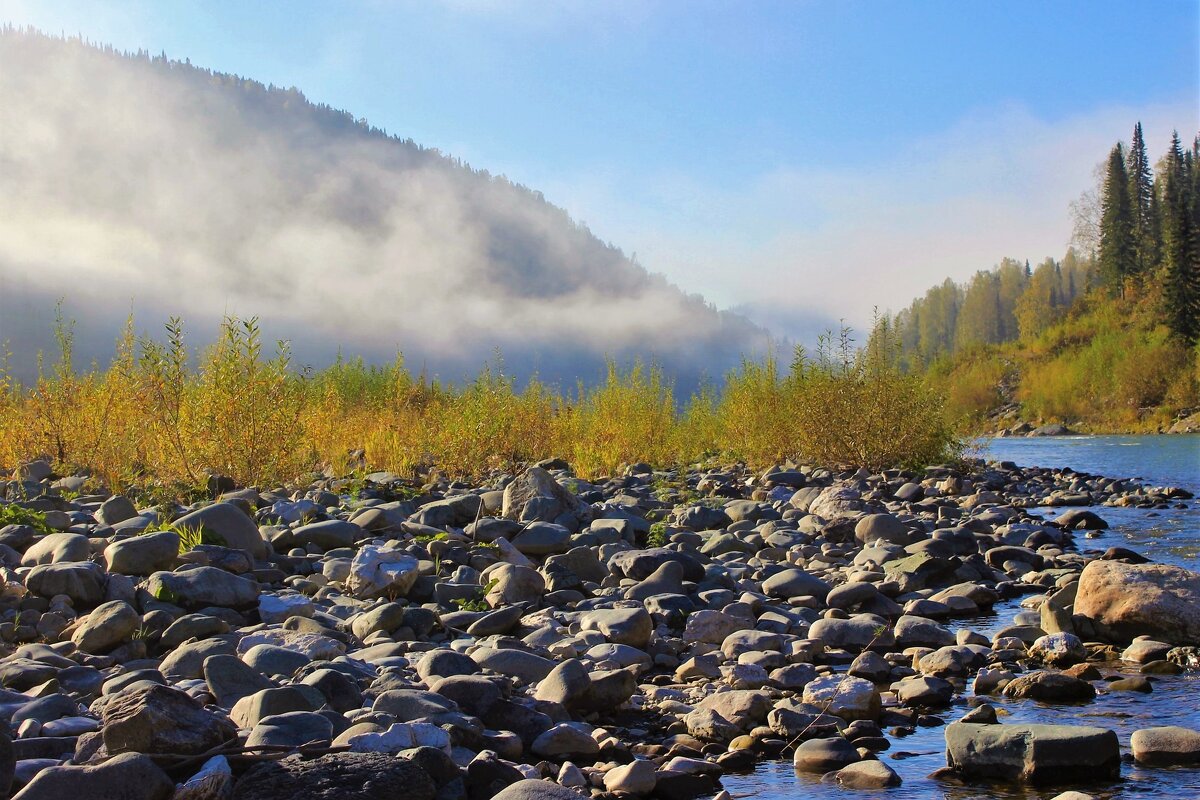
(1106, 342)
(1110, 366)
(132, 183)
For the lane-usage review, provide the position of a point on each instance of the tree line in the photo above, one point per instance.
(1149, 232)
(1140, 233)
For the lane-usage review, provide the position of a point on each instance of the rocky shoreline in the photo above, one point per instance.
(539, 636)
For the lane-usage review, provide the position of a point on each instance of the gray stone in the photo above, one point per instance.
(159, 719)
(230, 679)
(328, 534)
(107, 626)
(881, 526)
(293, 729)
(1034, 753)
(542, 539)
(82, 582)
(868, 775)
(526, 667)
(824, 755)
(565, 740)
(203, 586)
(57, 548)
(117, 508)
(229, 525)
(1123, 601)
(1049, 687)
(252, 709)
(537, 489)
(337, 776)
(128, 776)
(630, 626)
(530, 789)
(376, 571)
(1166, 745)
(844, 696)
(143, 555)
(638, 777)
(513, 584)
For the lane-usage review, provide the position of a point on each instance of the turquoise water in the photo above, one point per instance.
(1166, 535)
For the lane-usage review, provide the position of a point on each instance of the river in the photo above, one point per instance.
(1166, 535)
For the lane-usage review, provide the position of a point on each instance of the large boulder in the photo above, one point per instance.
(227, 522)
(378, 570)
(143, 555)
(338, 776)
(107, 626)
(203, 586)
(83, 582)
(631, 626)
(512, 584)
(536, 495)
(836, 502)
(1033, 753)
(1123, 601)
(57, 548)
(159, 719)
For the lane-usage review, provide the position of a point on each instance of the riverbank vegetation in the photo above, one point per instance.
(161, 413)
(1106, 339)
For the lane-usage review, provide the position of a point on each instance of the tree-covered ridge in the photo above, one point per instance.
(1141, 238)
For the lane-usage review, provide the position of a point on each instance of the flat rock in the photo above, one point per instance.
(1034, 753)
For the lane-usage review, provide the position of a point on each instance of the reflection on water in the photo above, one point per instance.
(1166, 535)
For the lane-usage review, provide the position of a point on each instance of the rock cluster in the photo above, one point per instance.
(542, 636)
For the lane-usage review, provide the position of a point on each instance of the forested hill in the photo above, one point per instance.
(1105, 337)
(132, 182)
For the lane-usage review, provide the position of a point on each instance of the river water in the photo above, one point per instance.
(1164, 535)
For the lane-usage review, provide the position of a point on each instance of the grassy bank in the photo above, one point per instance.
(160, 412)
(1111, 365)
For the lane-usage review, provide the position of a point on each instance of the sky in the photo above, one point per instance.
(801, 161)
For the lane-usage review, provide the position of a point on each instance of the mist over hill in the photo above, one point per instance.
(137, 184)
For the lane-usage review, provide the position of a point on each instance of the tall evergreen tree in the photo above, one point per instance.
(1141, 203)
(1181, 261)
(1117, 252)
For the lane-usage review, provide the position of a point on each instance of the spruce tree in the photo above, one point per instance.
(1180, 261)
(1117, 252)
(1141, 203)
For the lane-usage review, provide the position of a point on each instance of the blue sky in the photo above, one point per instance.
(807, 160)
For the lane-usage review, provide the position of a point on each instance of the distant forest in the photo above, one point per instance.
(1138, 233)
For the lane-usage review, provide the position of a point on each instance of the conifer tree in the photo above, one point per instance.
(1117, 252)
(1181, 261)
(1141, 203)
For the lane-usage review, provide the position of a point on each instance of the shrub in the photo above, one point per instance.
(154, 423)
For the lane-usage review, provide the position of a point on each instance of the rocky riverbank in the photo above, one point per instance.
(541, 636)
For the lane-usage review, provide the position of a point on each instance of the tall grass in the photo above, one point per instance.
(160, 414)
